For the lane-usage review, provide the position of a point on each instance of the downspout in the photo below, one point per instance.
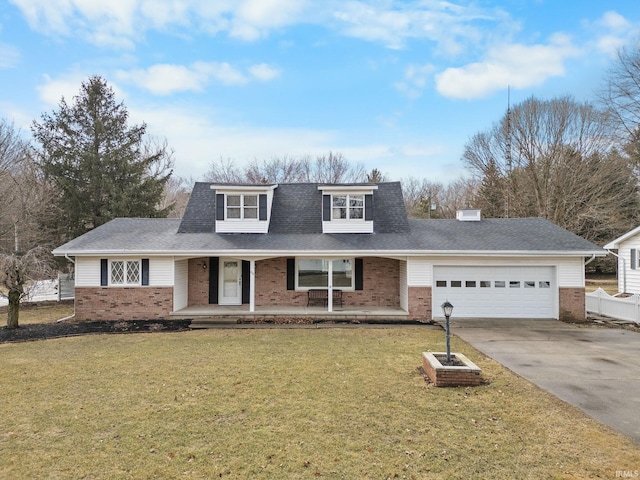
(624, 271)
(74, 302)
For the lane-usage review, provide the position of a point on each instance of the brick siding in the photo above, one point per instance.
(572, 305)
(420, 303)
(123, 303)
(198, 281)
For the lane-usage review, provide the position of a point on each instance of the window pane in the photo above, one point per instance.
(117, 273)
(485, 284)
(339, 201)
(529, 284)
(514, 284)
(233, 213)
(339, 213)
(250, 212)
(133, 272)
(470, 283)
(250, 200)
(342, 273)
(456, 283)
(233, 200)
(544, 284)
(356, 213)
(441, 283)
(499, 284)
(356, 201)
(313, 273)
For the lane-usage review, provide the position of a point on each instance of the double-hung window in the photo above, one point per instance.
(314, 273)
(125, 272)
(241, 207)
(348, 207)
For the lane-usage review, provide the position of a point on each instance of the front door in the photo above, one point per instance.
(230, 282)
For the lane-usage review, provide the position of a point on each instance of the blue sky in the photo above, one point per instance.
(396, 85)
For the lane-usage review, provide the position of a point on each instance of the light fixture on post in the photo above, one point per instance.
(447, 309)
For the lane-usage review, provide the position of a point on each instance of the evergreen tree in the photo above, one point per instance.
(101, 166)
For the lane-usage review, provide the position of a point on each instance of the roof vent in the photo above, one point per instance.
(468, 215)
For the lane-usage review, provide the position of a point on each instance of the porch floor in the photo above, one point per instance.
(239, 313)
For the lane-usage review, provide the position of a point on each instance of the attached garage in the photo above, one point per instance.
(496, 291)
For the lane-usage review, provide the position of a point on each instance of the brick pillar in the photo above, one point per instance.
(420, 303)
(572, 305)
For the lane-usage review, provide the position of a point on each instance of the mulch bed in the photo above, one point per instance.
(43, 331)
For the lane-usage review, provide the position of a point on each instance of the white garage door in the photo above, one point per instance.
(498, 292)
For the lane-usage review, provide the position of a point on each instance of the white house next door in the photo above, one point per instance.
(230, 282)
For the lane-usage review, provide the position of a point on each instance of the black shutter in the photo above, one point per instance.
(145, 271)
(368, 207)
(634, 258)
(213, 280)
(219, 206)
(291, 273)
(262, 207)
(246, 281)
(326, 208)
(358, 280)
(104, 272)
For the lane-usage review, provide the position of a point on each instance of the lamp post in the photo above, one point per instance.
(447, 308)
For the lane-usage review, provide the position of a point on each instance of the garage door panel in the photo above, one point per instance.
(504, 292)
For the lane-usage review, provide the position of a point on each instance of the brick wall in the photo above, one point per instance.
(198, 281)
(572, 305)
(420, 303)
(123, 303)
(271, 285)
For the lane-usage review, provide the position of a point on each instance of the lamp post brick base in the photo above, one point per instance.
(464, 373)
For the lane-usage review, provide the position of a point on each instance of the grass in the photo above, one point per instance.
(285, 404)
(45, 312)
(609, 283)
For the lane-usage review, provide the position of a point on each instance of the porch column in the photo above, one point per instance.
(252, 286)
(330, 288)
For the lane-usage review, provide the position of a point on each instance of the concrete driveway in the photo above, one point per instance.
(595, 369)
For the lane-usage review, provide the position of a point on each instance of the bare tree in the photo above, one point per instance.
(176, 196)
(329, 168)
(18, 275)
(620, 92)
(556, 160)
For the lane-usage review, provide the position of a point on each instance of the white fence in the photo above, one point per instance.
(602, 303)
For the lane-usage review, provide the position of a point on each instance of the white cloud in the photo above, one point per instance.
(452, 27)
(9, 56)
(120, 23)
(415, 79)
(613, 32)
(68, 85)
(517, 65)
(264, 72)
(165, 79)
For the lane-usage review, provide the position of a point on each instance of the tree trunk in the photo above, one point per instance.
(13, 310)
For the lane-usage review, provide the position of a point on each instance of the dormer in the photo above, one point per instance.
(347, 208)
(243, 208)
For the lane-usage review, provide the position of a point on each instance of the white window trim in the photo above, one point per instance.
(352, 288)
(125, 261)
(242, 207)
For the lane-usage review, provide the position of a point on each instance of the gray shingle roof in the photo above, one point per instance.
(534, 235)
(296, 226)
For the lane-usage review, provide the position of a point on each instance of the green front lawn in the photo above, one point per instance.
(283, 404)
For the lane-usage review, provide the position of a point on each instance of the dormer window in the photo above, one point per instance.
(348, 207)
(242, 207)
